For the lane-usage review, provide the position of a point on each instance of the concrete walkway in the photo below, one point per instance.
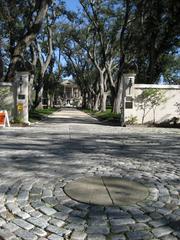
(36, 162)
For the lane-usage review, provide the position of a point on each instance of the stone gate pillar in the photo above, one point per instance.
(21, 112)
(128, 81)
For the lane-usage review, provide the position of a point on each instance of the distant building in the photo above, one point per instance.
(71, 94)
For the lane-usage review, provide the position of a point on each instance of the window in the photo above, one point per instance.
(129, 103)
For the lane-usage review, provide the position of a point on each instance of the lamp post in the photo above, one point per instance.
(130, 85)
(20, 84)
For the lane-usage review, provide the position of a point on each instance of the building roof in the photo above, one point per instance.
(69, 83)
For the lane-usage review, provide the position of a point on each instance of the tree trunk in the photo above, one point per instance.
(1, 68)
(89, 103)
(38, 95)
(44, 65)
(30, 91)
(84, 104)
(112, 96)
(48, 101)
(1, 63)
(117, 105)
(103, 101)
(27, 39)
(118, 99)
(52, 100)
(103, 94)
(96, 102)
(38, 99)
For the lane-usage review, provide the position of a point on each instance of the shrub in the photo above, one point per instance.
(132, 120)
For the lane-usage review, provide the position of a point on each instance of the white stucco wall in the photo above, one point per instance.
(163, 112)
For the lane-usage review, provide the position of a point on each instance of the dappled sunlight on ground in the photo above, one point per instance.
(36, 162)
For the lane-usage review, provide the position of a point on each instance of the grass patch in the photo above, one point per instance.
(104, 116)
(39, 114)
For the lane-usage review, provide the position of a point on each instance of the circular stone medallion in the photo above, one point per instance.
(106, 191)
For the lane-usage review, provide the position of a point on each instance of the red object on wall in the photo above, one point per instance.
(2, 118)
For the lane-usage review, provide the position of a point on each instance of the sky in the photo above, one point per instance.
(72, 4)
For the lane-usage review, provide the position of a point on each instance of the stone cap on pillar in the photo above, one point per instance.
(21, 76)
(128, 75)
(128, 83)
(22, 73)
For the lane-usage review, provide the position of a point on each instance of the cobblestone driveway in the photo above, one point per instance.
(36, 162)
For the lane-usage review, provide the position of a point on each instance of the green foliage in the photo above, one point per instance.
(132, 120)
(18, 120)
(150, 99)
(118, 35)
(171, 69)
(155, 96)
(108, 115)
(40, 114)
(155, 34)
(4, 94)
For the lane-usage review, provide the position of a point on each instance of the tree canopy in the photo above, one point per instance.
(94, 44)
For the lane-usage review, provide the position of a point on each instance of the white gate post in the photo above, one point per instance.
(21, 112)
(128, 80)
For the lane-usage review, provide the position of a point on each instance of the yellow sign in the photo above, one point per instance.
(20, 107)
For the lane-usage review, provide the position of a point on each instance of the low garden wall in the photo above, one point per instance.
(143, 111)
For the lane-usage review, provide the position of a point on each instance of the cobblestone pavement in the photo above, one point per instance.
(36, 162)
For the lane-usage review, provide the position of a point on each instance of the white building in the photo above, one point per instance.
(71, 95)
